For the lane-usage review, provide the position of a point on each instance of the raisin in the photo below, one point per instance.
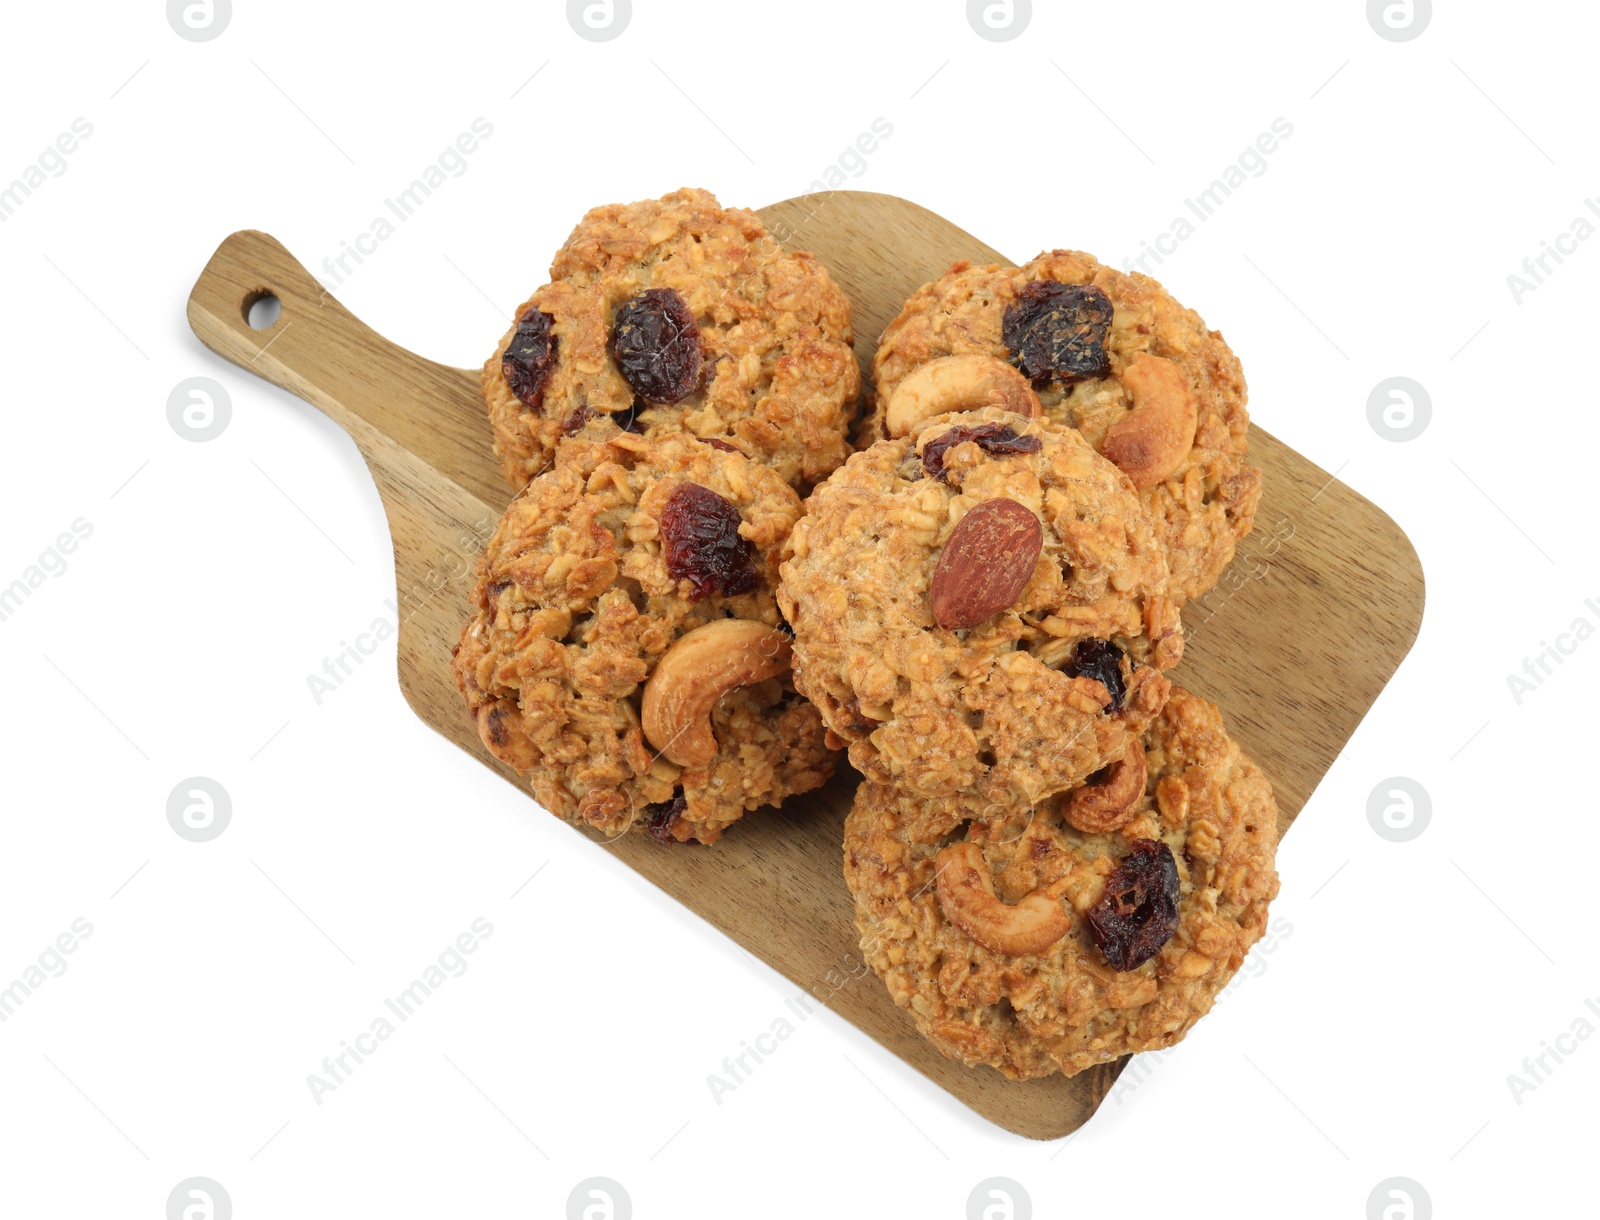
(1058, 331)
(657, 346)
(854, 719)
(659, 818)
(530, 358)
(627, 420)
(702, 544)
(1102, 661)
(723, 445)
(994, 439)
(1139, 911)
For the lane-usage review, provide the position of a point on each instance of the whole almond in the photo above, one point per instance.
(986, 564)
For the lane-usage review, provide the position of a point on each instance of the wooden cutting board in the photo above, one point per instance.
(1319, 608)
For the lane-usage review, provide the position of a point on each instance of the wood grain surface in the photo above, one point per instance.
(1319, 608)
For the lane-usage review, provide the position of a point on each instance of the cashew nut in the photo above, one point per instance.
(1098, 809)
(967, 898)
(957, 383)
(500, 729)
(1151, 442)
(697, 671)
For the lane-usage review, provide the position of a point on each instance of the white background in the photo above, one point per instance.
(1378, 1036)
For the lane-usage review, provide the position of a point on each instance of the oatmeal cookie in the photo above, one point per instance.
(980, 608)
(626, 651)
(678, 314)
(1114, 356)
(1052, 941)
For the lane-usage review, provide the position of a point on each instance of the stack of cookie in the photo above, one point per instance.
(1057, 856)
(660, 405)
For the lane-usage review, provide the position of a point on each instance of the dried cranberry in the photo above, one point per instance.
(1059, 331)
(701, 540)
(1139, 910)
(1102, 661)
(995, 439)
(576, 420)
(658, 819)
(530, 358)
(657, 346)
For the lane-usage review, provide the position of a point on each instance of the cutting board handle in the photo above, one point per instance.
(317, 349)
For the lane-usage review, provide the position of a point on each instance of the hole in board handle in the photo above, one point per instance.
(261, 310)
